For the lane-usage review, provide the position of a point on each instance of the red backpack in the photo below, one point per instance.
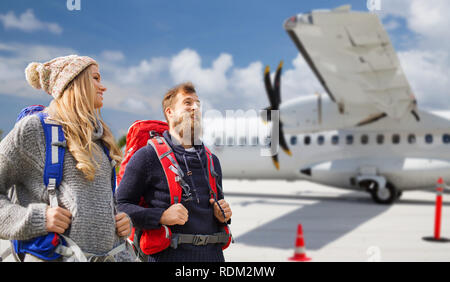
(141, 133)
(137, 137)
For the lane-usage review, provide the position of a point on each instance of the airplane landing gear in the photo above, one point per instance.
(381, 195)
(384, 195)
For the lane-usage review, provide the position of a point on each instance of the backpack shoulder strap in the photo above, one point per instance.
(172, 170)
(211, 173)
(55, 147)
(113, 164)
(215, 187)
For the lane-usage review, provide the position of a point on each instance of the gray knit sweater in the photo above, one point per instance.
(22, 155)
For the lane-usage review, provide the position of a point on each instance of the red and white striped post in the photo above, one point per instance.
(438, 214)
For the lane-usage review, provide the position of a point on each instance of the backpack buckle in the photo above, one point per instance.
(52, 197)
(174, 241)
(200, 240)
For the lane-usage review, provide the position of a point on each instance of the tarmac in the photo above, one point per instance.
(338, 225)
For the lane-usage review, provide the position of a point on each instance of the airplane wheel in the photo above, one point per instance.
(384, 196)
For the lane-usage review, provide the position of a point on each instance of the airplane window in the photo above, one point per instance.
(335, 139)
(380, 139)
(293, 140)
(429, 138)
(395, 138)
(320, 140)
(364, 139)
(230, 141)
(411, 139)
(349, 139)
(446, 138)
(307, 140)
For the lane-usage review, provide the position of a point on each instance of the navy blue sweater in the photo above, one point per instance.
(144, 176)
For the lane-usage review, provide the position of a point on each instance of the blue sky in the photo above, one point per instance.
(144, 47)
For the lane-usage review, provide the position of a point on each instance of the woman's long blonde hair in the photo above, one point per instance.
(75, 111)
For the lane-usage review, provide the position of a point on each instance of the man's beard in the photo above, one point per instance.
(188, 125)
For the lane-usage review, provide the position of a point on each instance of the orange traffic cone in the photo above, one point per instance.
(299, 252)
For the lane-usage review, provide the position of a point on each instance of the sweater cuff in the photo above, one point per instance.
(223, 223)
(149, 219)
(156, 217)
(37, 220)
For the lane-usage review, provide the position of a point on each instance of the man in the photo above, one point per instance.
(144, 177)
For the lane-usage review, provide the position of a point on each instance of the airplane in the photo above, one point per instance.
(364, 133)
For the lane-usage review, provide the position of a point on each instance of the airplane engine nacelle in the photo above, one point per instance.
(334, 173)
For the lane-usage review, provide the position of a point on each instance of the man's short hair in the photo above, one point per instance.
(169, 97)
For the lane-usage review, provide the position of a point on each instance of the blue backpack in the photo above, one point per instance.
(48, 247)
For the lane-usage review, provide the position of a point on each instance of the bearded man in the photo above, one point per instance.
(197, 214)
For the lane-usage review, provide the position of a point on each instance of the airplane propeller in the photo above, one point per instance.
(274, 96)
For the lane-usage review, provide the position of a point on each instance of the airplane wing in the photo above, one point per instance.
(351, 55)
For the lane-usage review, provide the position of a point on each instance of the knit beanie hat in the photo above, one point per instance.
(54, 76)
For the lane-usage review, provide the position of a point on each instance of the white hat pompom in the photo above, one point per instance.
(32, 75)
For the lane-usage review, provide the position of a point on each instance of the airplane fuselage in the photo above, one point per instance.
(406, 153)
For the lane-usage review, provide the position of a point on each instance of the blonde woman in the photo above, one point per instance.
(85, 210)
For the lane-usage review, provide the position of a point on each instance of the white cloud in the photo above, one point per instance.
(247, 81)
(139, 88)
(230, 87)
(187, 66)
(391, 24)
(428, 19)
(112, 55)
(425, 55)
(28, 22)
(427, 73)
(146, 71)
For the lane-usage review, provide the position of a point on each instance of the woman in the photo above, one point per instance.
(86, 207)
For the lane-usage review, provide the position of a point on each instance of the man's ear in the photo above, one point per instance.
(168, 111)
